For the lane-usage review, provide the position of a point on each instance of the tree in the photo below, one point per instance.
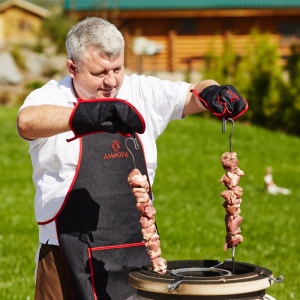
(55, 29)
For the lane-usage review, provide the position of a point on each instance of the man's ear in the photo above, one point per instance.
(71, 67)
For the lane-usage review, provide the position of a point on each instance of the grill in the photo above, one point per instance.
(203, 279)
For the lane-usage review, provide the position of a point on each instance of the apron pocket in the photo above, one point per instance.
(109, 269)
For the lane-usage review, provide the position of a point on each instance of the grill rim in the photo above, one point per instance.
(252, 282)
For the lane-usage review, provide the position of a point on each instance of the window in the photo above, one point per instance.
(24, 25)
(187, 27)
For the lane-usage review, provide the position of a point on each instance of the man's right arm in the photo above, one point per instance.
(87, 117)
(43, 121)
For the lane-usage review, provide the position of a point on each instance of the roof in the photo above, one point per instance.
(37, 10)
(177, 4)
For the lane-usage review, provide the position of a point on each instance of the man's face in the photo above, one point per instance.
(97, 76)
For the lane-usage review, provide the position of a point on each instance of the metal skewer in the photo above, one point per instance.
(136, 147)
(231, 132)
(230, 149)
(232, 258)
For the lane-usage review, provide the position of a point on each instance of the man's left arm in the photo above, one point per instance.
(221, 100)
(192, 103)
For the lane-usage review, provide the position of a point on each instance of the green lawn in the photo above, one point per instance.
(187, 191)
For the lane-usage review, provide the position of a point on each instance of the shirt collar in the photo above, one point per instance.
(67, 88)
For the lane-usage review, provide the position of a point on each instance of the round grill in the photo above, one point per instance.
(206, 279)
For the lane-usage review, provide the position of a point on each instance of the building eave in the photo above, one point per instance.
(30, 7)
(201, 13)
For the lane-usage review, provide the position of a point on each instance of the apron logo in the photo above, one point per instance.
(116, 146)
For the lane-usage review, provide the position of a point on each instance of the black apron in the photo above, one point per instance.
(98, 226)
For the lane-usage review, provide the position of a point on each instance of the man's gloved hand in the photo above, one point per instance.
(110, 115)
(222, 101)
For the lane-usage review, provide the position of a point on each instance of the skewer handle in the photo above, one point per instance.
(224, 121)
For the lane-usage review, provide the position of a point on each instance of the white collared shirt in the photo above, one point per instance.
(54, 160)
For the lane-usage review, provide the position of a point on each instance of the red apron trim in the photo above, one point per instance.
(117, 246)
(70, 188)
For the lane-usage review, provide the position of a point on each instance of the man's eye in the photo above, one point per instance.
(100, 75)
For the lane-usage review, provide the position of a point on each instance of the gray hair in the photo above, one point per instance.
(96, 33)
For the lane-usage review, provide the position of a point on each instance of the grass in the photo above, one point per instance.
(18, 232)
(187, 198)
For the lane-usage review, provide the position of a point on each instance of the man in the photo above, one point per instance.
(86, 134)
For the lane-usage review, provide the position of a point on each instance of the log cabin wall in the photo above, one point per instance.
(20, 22)
(187, 36)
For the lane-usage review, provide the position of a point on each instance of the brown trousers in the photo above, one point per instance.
(52, 282)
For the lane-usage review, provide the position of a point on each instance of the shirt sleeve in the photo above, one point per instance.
(166, 97)
(160, 101)
(52, 93)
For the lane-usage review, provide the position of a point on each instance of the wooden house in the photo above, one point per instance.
(176, 35)
(20, 21)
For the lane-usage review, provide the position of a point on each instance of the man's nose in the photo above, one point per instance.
(110, 78)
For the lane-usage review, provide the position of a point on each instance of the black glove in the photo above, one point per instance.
(110, 115)
(222, 101)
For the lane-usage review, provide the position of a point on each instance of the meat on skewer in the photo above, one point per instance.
(140, 189)
(232, 198)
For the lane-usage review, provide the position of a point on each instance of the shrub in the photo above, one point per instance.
(56, 29)
(18, 57)
(222, 67)
(274, 101)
